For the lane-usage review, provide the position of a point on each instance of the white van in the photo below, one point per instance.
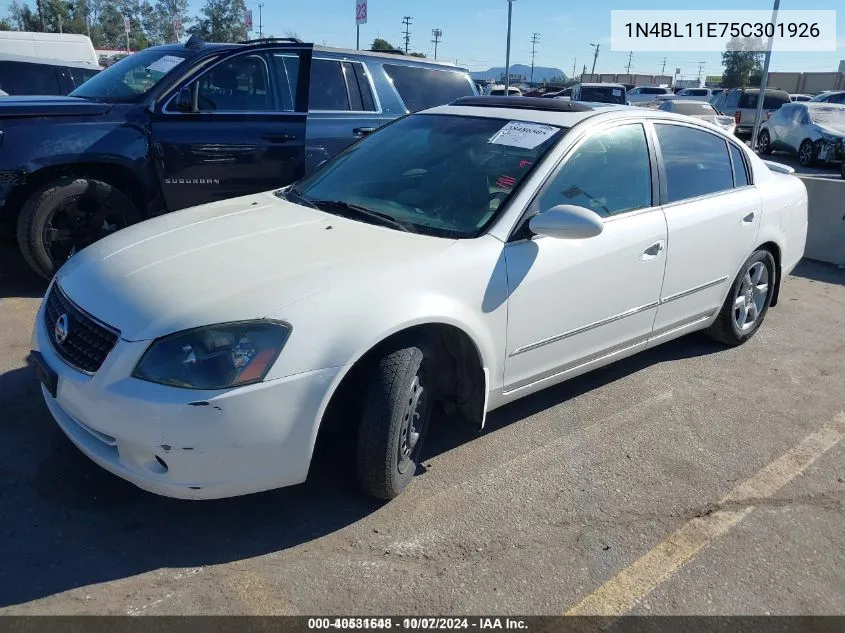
(68, 47)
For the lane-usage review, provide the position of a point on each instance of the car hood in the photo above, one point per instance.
(837, 129)
(239, 259)
(13, 106)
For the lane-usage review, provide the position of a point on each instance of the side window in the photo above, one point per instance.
(732, 100)
(696, 162)
(609, 173)
(360, 93)
(287, 75)
(840, 98)
(328, 86)
(81, 75)
(422, 88)
(21, 78)
(738, 165)
(240, 84)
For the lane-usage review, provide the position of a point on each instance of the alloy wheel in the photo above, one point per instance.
(750, 298)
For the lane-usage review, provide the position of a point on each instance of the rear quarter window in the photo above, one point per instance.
(422, 88)
(772, 100)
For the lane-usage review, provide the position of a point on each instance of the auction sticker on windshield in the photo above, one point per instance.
(165, 64)
(524, 135)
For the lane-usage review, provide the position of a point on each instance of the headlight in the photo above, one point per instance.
(215, 356)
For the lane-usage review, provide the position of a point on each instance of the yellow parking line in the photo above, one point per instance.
(636, 581)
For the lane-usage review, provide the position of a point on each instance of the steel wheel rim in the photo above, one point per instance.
(750, 297)
(414, 416)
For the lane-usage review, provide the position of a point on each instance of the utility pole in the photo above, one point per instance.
(758, 117)
(663, 70)
(595, 58)
(407, 22)
(573, 68)
(700, 66)
(437, 33)
(583, 72)
(260, 26)
(508, 52)
(630, 56)
(535, 38)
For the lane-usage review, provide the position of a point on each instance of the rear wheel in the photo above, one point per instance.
(764, 143)
(747, 302)
(396, 415)
(806, 153)
(65, 216)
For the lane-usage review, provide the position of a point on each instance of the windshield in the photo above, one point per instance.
(130, 78)
(603, 95)
(828, 116)
(436, 174)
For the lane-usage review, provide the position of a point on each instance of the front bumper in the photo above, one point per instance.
(184, 443)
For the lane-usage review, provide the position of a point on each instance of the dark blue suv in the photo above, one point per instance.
(180, 125)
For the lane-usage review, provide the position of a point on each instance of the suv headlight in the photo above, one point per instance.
(214, 356)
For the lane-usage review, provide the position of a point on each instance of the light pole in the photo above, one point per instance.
(508, 51)
(437, 34)
(763, 81)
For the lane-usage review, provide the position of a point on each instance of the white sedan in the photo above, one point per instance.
(464, 257)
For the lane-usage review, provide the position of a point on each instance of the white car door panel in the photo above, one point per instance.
(574, 300)
(710, 234)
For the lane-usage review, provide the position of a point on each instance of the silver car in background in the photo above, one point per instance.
(699, 110)
(814, 131)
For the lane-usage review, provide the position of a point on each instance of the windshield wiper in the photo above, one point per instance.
(339, 206)
(298, 197)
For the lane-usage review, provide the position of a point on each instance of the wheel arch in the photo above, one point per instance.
(775, 250)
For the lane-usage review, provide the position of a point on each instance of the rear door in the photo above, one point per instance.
(343, 108)
(243, 132)
(712, 215)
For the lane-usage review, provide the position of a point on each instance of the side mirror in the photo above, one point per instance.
(568, 222)
(184, 101)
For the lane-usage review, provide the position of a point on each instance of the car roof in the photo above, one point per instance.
(602, 85)
(820, 105)
(44, 60)
(692, 101)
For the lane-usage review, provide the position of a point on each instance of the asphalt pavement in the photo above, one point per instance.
(691, 479)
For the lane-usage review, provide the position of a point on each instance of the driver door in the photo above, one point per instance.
(243, 130)
(575, 301)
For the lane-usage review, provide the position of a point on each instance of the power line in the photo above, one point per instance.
(407, 22)
(535, 39)
(437, 33)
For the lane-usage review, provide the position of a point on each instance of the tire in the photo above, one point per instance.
(764, 143)
(85, 210)
(806, 153)
(399, 389)
(726, 328)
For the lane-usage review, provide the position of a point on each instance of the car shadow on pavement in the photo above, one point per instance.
(67, 523)
(17, 279)
(820, 271)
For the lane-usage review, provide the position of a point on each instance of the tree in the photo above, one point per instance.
(23, 18)
(221, 21)
(160, 22)
(382, 45)
(741, 60)
(416, 54)
(5, 25)
(109, 29)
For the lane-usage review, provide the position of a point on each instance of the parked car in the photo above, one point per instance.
(699, 110)
(831, 96)
(566, 92)
(68, 47)
(179, 125)
(40, 76)
(465, 256)
(643, 94)
(599, 93)
(814, 131)
(499, 91)
(715, 92)
(695, 94)
(741, 103)
(800, 97)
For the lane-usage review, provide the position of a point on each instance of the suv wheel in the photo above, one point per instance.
(65, 216)
(806, 153)
(397, 410)
(764, 143)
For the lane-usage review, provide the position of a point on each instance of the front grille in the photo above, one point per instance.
(87, 341)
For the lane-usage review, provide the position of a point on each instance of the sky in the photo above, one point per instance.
(474, 31)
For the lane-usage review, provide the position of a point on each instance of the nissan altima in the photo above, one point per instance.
(451, 262)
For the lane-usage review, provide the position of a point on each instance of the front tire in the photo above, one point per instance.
(65, 216)
(747, 302)
(764, 143)
(397, 410)
(806, 153)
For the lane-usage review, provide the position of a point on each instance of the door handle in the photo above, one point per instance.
(652, 251)
(748, 219)
(278, 137)
(363, 131)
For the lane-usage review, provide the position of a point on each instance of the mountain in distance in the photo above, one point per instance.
(541, 73)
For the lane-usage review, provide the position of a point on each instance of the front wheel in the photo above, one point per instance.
(764, 143)
(806, 153)
(397, 410)
(747, 302)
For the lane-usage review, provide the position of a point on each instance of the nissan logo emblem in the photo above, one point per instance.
(60, 331)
